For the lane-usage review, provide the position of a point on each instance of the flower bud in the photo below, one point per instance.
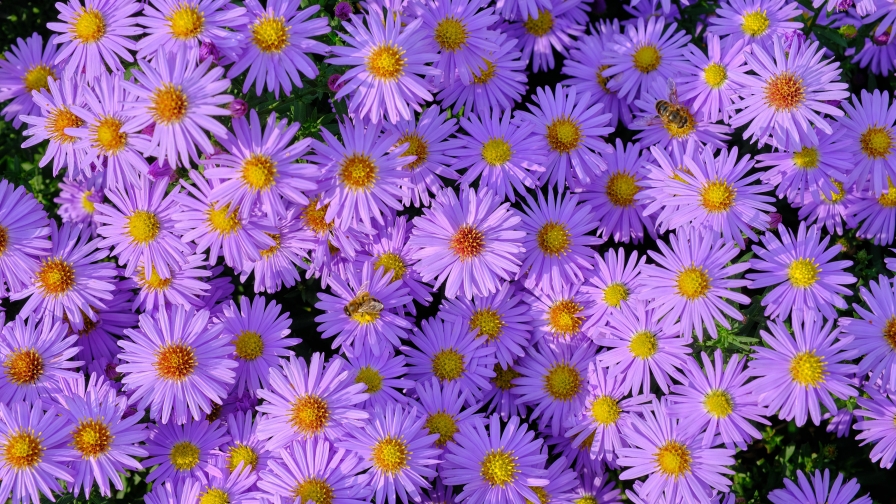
(209, 50)
(343, 10)
(238, 108)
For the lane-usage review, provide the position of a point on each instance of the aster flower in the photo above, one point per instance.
(492, 467)
(171, 492)
(878, 426)
(56, 118)
(315, 470)
(613, 193)
(590, 52)
(875, 217)
(646, 55)
(498, 397)
(237, 487)
(176, 363)
(183, 451)
(99, 339)
(503, 318)
(387, 60)
(259, 333)
(347, 317)
(663, 165)
(818, 491)
(788, 94)
(35, 355)
(498, 81)
(832, 210)
(561, 315)
(755, 20)
(568, 127)
(715, 194)
(186, 286)
(451, 352)
(180, 98)
(552, 382)
(806, 280)
(361, 178)
(280, 43)
(659, 131)
(596, 424)
(104, 442)
(389, 251)
(500, 154)
(427, 140)
(94, 36)
(218, 227)
(557, 241)
(613, 283)
(139, 225)
(176, 26)
(708, 83)
(397, 451)
(26, 68)
(278, 264)
(513, 9)
(443, 405)
(470, 243)
(810, 172)
(77, 200)
(72, 280)
(33, 442)
(461, 32)
(260, 167)
(717, 401)
(869, 136)
(877, 54)
(642, 348)
(597, 487)
(552, 27)
(676, 465)
(244, 448)
(801, 371)
(305, 400)
(24, 229)
(333, 250)
(874, 334)
(382, 374)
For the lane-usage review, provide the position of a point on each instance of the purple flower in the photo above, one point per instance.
(24, 228)
(208, 50)
(613, 283)
(343, 11)
(183, 452)
(26, 68)
(238, 109)
(756, 21)
(878, 426)
(56, 117)
(35, 356)
(460, 29)
(818, 491)
(333, 81)
(382, 374)
(870, 138)
(874, 333)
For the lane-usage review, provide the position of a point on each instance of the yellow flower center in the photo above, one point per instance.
(249, 345)
(553, 239)
(615, 294)
(784, 92)
(214, 496)
(887, 199)
(643, 345)
(24, 366)
(155, 282)
(450, 34)
(358, 172)
(806, 158)
(448, 364)
(270, 34)
(692, 283)
(807, 369)
(496, 152)
(803, 273)
(755, 23)
(258, 172)
(270, 251)
(391, 262)
(601, 80)
(240, 453)
(718, 403)
(223, 220)
(89, 26)
(835, 197)
(86, 203)
(169, 104)
(485, 74)
(564, 319)
(370, 377)
(315, 217)
(564, 135)
(488, 323)
(543, 496)
(175, 362)
(37, 76)
(673, 459)
(444, 425)
(92, 438)
(677, 129)
(58, 121)
(390, 455)
(715, 75)
(540, 26)
(55, 277)
(313, 490)
(184, 455)
(717, 196)
(107, 135)
(186, 22)
(143, 226)
(386, 62)
(504, 377)
(362, 317)
(605, 410)
(621, 189)
(498, 467)
(4, 240)
(417, 146)
(890, 332)
(876, 142)
(562, 381)
(309, 414)
(585, 499)
(22, 450)
(647, 58)
(467, 243)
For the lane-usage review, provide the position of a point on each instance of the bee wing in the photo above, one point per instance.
(363, 287)
(673, 91)
(647, 121)
(371, 306)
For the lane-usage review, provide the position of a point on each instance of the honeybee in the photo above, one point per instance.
(670, 113)
(363, 303)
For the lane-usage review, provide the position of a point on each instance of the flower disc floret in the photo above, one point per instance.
(643, 345)
(755, 23)
(358, 172)
(184, 456)
(450, 34)
(55, 277)
(92, 438)
(89, 27)
(448, 364)
(309, 414)
(169, 104)
(715, 75)
(605, 410)
(876, 142)
(24, 366)
(563, 382)
(143, 227)
(693, 283)
(621, 189)
(23, 450)
(186, 22)
(803, 273)
(175, 362)
(496, 152)
(673, 459)
(539, 26)
(784, 92)
(717, 196)
(270, 34)
(564, 134)
(807, 369)
(647, 58)
(386, 62)
(498, 468)
(718, 403)
(390, 455)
